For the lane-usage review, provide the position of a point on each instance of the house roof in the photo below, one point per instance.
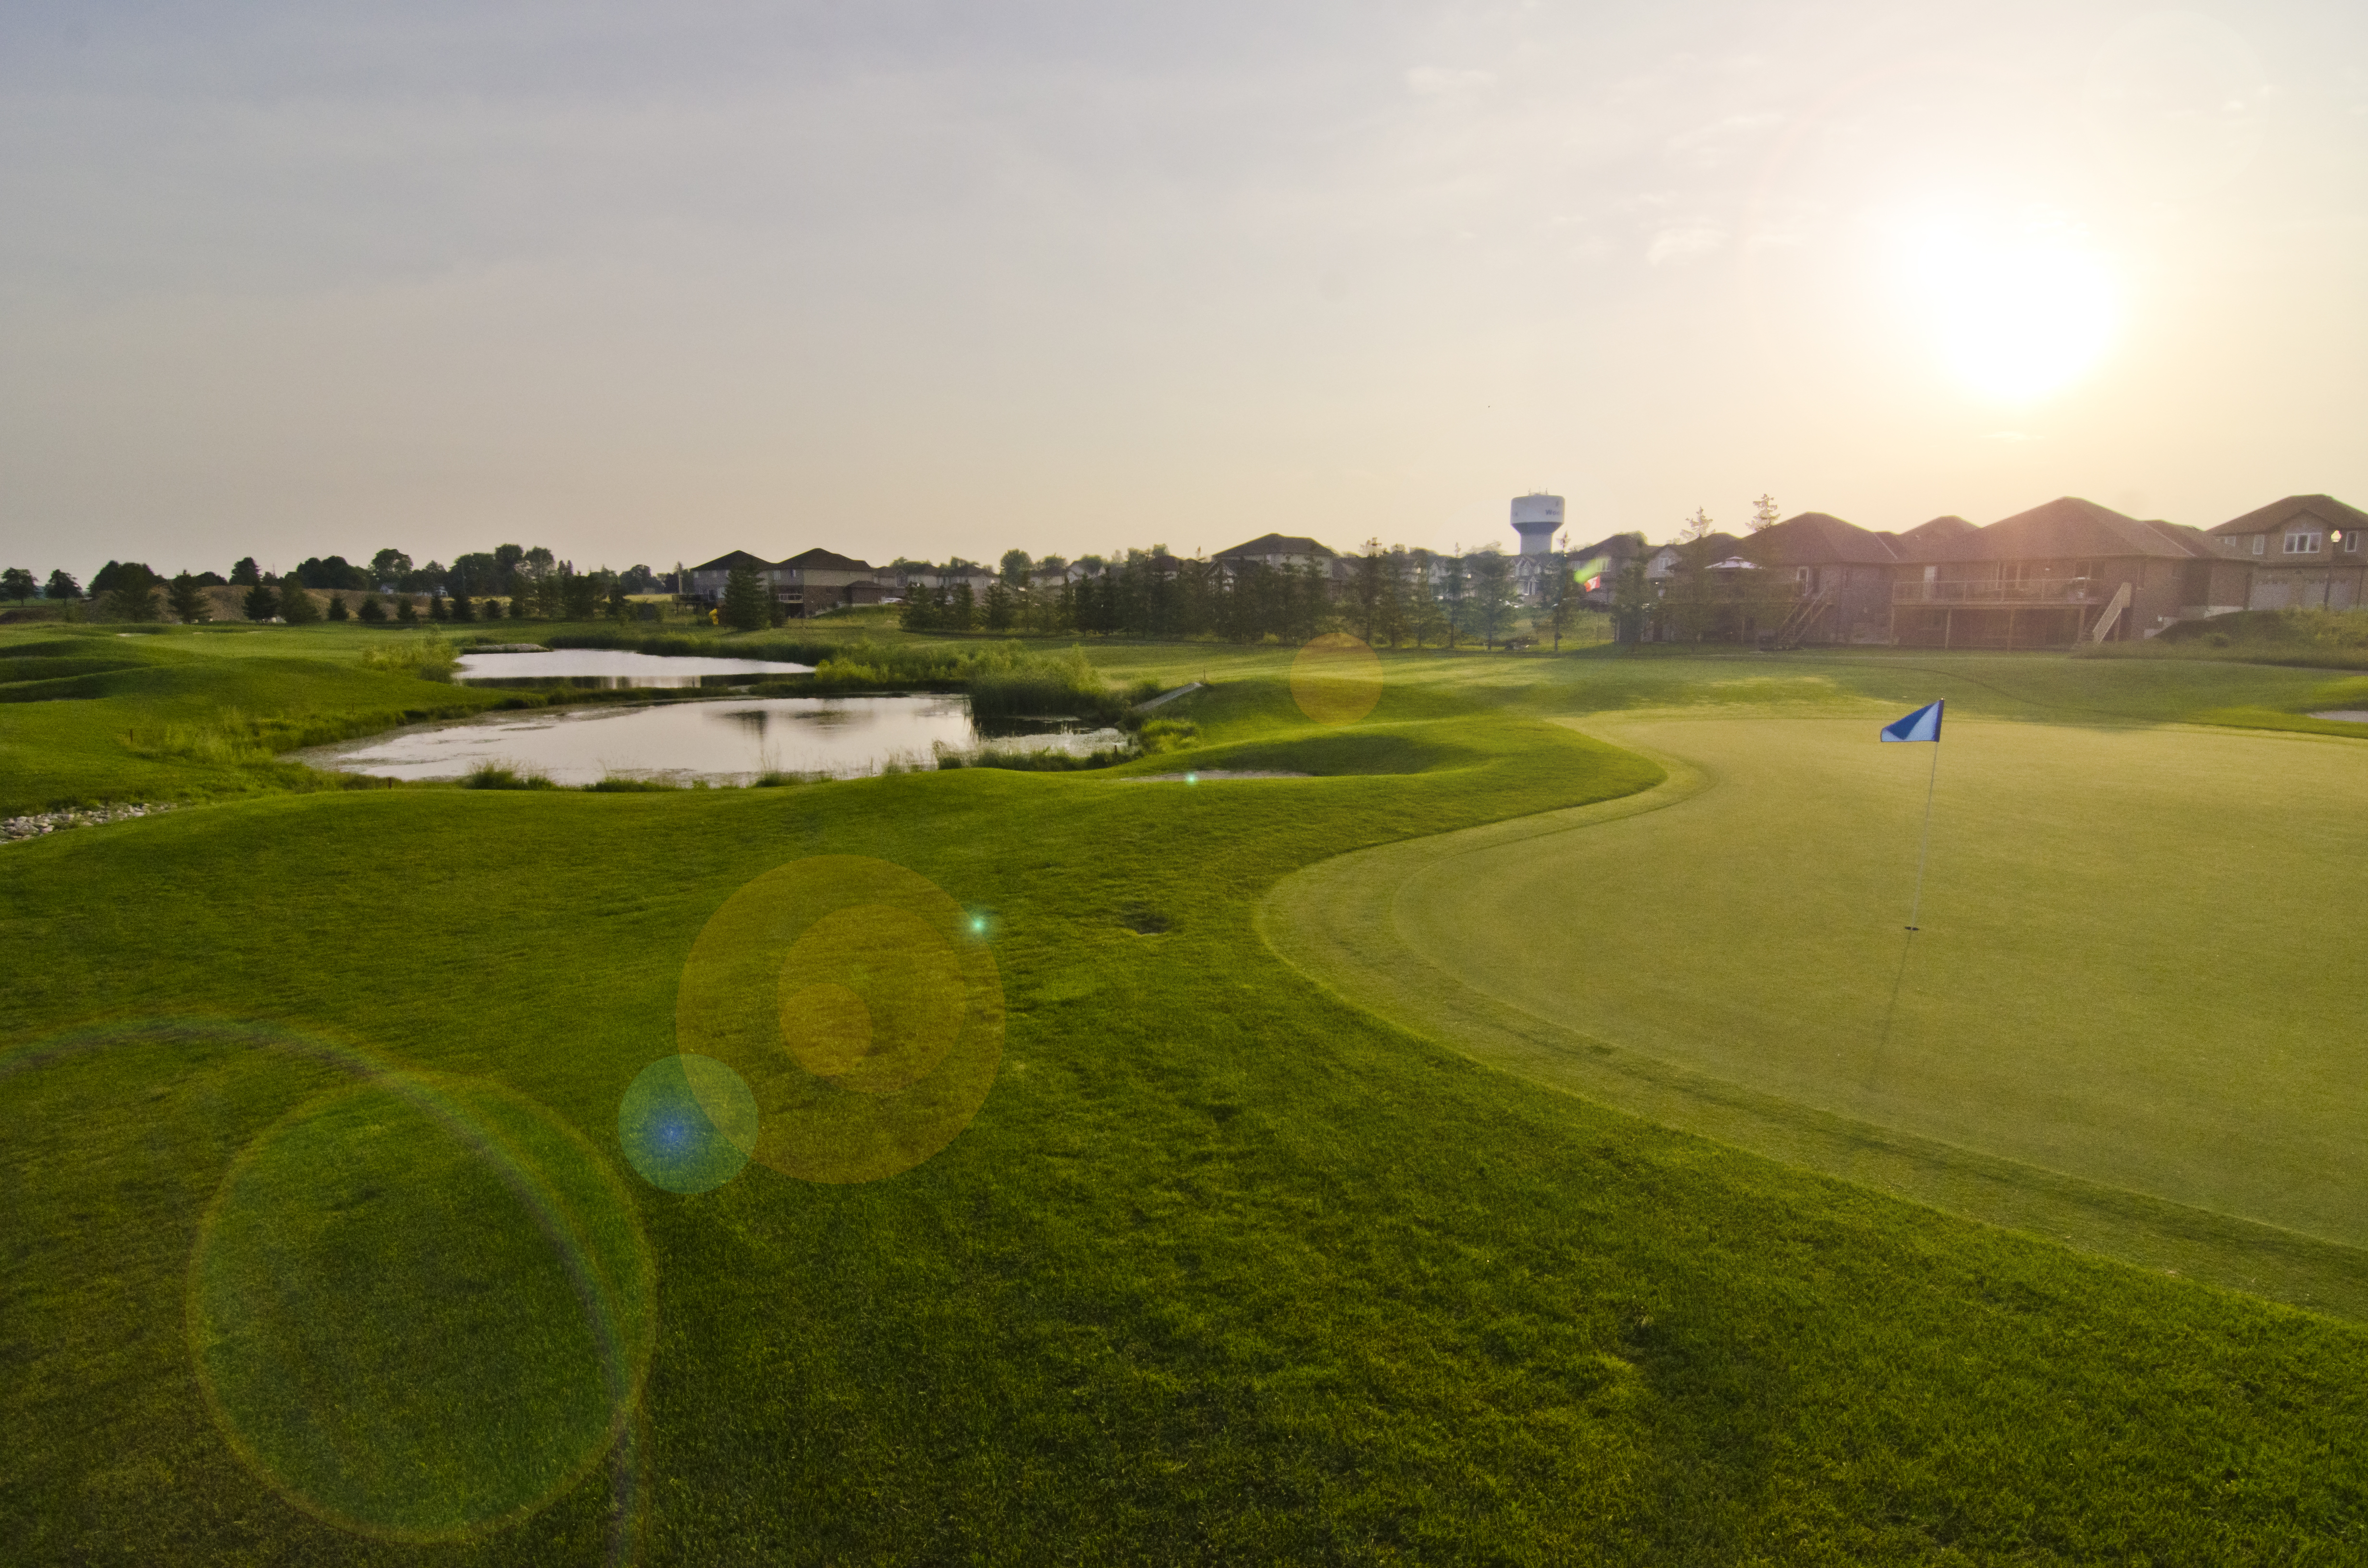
(2334, 514)
(1715, 547)
(1818, 539)
(821, 559)
(2069, 529)
(1278, 544)
(1925, 542)
(727, 560)
(1618, 547)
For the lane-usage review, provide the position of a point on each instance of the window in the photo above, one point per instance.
(2302, 542)
(2258, 541)
(2352, 542)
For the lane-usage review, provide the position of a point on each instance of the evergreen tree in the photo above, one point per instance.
(187, 599)
(1370, 588)
(1002, 606)
(962, 615)
(436, 608)
(461, 609)
(746, 606)
(1453, 589)
(405, 612)
(246, 574)
(261, 603)
(373, 612)
(296, 606)
(491, 610)
(1492, 594)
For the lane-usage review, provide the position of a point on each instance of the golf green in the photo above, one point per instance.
(2130, 973)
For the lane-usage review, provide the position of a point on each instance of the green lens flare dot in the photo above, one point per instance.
(421, 1308)
(688, 1123)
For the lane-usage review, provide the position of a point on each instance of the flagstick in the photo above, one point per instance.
(1924, 852)
(1916, 904)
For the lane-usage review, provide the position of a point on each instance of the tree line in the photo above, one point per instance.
(1391, 596)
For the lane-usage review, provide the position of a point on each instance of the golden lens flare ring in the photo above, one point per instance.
(1336, 679)
(861, 1007)
(355, 1348)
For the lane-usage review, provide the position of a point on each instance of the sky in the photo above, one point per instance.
(647, 283)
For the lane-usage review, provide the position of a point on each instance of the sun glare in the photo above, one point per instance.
(2016, 318)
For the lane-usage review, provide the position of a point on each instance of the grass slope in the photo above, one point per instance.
(1225, 1270)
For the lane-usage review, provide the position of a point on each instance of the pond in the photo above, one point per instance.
(722, 742)
(611, 668)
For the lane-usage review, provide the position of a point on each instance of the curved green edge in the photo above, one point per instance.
(1334, 923)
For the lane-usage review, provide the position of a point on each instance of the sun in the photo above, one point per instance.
(2017, 316)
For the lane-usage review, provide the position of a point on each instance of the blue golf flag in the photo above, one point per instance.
(1924, 724)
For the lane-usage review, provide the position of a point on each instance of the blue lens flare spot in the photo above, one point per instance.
(688, 1124)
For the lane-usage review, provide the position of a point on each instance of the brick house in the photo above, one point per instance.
(2065, 572)
(2305, 553)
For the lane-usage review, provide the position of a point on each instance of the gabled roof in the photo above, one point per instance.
(1715, 547)
(821, 559)
(1932, 540)
(1619, 547)
(726, 561)
(2069, 529)
(2334, 514)
(1818, 538)
(1278, 544)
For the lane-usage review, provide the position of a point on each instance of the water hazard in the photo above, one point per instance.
(611, 668)
(730, 741)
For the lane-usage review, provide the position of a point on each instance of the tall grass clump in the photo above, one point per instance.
(1037, 685)
(428, 655)
(501, 775)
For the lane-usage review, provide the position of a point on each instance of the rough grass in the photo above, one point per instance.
(1226, 1270)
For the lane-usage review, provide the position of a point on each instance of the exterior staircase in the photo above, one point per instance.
(2110, 615)
(1803, 620)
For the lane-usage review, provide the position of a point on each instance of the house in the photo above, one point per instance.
(2305, 552)
(708, 578)
(816, 580)
(1285, 552)
(806, 584)
(2065, 572)
(1842, 573)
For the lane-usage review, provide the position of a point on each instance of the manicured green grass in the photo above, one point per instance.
(1225, 1270)
(2111, 981)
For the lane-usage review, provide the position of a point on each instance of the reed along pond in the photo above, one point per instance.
(726, 741)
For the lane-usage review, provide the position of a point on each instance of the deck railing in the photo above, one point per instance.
(2065, 592)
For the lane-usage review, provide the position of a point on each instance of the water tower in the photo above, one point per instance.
(1537, 519)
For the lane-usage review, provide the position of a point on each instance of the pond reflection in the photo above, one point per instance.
(727, 742)
(611, 668)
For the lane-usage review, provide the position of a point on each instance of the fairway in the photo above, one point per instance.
(2126, 971)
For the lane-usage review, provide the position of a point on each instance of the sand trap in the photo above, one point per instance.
(2346, 715)
(1195, 778)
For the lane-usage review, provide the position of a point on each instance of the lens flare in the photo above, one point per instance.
(419, 1308)
(1336, 679)
(858, 1004)
(688, 1123)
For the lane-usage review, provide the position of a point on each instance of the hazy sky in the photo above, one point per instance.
(650, 282)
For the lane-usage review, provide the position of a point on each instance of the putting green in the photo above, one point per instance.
(2136, 973)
